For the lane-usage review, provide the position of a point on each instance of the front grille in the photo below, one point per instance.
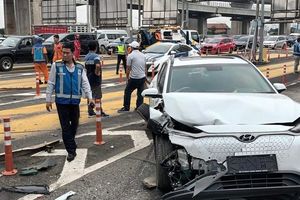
(255, 180)
(221, 147)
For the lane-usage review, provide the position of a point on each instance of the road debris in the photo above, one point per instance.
(66, 195)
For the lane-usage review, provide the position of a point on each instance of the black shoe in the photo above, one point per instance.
(123, 110)
(117, 73)
(41, 82)
(296, 72)
(71, 156)
(92, 114)
(103, 114)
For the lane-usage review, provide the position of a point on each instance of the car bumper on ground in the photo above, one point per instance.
(240, 185)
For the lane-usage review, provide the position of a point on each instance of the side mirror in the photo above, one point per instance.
(279, 87)
(143, 51)
(152, 93)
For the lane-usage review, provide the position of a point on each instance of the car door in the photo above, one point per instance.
(24, 50)
(222, 45)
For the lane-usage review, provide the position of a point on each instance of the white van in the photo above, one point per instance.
(106, 36)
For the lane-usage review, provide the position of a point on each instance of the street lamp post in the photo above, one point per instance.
(262, 29)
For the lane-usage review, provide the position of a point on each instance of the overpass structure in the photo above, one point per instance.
(20, 15)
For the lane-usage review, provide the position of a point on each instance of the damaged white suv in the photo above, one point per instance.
(222, 130)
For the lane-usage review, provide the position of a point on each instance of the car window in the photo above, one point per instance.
(68, 38)
(227, 78)
(161, 77)
(158, 48)
(184, 48)
(84, 37)
(10, 42)
(26, 42)
(102, 36)
(112, 36)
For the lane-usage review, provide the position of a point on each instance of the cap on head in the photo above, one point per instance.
(134, 44)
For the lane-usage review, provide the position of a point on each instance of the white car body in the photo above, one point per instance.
(230, 124)
(156, 59)
(275, 42)
(105, 37)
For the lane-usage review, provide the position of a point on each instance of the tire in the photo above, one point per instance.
(230, 50)
(6, 63)
(103, 49)
(162, 147)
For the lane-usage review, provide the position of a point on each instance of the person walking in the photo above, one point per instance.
(136, 76)
(57, 50)
(296, 53)
(77, 46)
(68, 79)
(121, 55)
(94, 73)
(40, 59)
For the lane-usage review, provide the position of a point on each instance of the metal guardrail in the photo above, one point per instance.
(228, 5)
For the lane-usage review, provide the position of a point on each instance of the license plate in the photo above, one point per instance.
(255, 163)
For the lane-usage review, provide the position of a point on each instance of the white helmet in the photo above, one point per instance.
(134, 44)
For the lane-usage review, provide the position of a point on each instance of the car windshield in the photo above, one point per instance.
(214, 40)
(158, 48)
(51, 39)
(11, 42)
(224, 78)
(195, 36)
(271, 38)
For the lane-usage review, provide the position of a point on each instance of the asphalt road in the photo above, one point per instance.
(112, 171)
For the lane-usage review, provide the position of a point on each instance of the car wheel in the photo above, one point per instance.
(103, 49)
(230, 50)
(162, 147)
(6, 63)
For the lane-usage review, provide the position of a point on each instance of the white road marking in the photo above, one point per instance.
(68, 175)
(42, 96)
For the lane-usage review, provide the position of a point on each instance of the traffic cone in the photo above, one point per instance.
(37, 83)
(9, 165)
(269, 58)
(268, 73)
(99, 140)
(121, 75)
(284, 75)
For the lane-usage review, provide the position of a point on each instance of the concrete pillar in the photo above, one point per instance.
(245, 27)
(202, 26)
(284, 29)
(36, 12)
(236, 27)
(17, 15)
(9, 17)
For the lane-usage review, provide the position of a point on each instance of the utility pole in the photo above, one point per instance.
(253, 50)
(130, 19)
(187, 15)
(182, 14)
(262, 29)
(139, 15)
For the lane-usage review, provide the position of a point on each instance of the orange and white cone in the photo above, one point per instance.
(99, 140)
(284, 75)
(37, 83)
(9, 165)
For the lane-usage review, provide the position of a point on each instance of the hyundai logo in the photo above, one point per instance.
(247, 138)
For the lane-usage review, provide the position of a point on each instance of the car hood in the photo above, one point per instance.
(210, 45)
(200, 109)
(269, 42)
(153, 56)
(6, 48)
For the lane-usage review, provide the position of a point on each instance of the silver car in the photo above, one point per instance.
(275, 42)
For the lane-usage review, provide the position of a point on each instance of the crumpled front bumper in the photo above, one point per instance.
(239, 185)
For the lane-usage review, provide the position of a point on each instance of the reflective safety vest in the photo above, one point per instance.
(68, 84)
(38, 55)
(121, 49)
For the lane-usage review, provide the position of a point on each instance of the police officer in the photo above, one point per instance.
(94, 74)
(121, 54)
(68, 79)
(136, 76)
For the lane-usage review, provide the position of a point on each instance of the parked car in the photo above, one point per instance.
(112, 47)
(15, 49)
(290, 40)
(237, 37)
(218, 45)
(242, 42)
(70, 37)
(105, 37)
(161, 51)
(221, 129)
(2, 39)
(274, 42)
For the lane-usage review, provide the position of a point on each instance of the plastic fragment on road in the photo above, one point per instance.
(33, 170)
(28, 172)
(28, 189)
(66, 195)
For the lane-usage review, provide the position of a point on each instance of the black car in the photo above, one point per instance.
(84, 39)
(15, 49)
(241, 43)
